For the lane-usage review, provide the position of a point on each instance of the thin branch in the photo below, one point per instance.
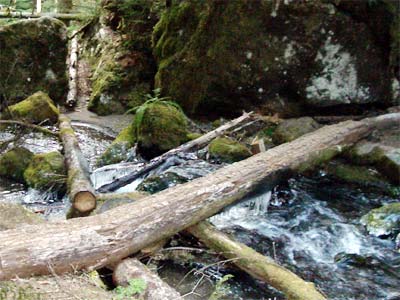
(31, 126)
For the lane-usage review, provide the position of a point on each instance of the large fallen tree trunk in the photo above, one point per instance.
(27, 15)
(189, 146)
(154, 289)
(80, 189)
(255, 264)
(72, 96)
(95, 241)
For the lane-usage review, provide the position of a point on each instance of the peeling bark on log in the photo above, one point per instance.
(96, 241)
(156, 289)
(255, 264)
(72, 96)
(25, 15)
(80, 189)
(189, 146)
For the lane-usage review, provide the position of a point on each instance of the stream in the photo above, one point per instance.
(308, 224)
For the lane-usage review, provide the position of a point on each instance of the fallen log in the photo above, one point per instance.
(72, 96)
(27, 15)
(30, 126)
(189, 146)
(80, 189)
(255, 264)
(93, 242)
(154, 289)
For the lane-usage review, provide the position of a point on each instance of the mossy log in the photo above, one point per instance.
(193, 145)
(100, 240)
(72, 96)
(255, 264)
(154, 287)
(80, 189)
(27, 15)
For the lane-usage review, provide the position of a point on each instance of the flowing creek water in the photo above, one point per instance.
(308, 224)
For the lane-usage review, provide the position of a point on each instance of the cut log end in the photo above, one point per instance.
(84, 202)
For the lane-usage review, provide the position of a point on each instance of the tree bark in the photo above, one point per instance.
(95, 241)
(155, 289)
(80, 189)
(189, 146)
(255, 264)
(72, 96)
(26, 15)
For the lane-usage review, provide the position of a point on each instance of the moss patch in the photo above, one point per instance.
(292, 129)
(46, 171)
(228, 150)
(14, 162)
(383, 221)
(157, 183)
(34, 109)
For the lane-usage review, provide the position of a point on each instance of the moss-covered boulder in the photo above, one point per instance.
(309, 53)
(160, 126)
(37, 108)
(119, 51)
(383, 221)
(33, 57)
(14, 162)
(292, 129)
(389, 165)
(46, 171)
(228, 150)
(14, 215)
(120, 149)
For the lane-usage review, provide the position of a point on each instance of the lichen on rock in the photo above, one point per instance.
(383, 221)
(46, 172)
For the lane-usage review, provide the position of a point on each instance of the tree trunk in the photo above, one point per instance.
(95, 241)
(72, 96)
(27, 15)
(80, 189)
(255, 264)
(189, 146)
(64, 6)
(155, 288)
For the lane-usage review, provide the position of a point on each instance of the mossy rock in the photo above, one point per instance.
(161, 127)
(120, 149)
(228, 150)
(389, 165)
(365, 153)
(311, 54)
(292, 129)
(14, 162)
(33, 57)
(46, 171)
(14, 215)
(383, 221)
(34, 109)
(157, 183)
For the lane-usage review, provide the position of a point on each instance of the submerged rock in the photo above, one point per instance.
(37, 108)
(14, 162)
(46, 171)
(383, 221)
(33, 57)
(157, 183)
(120, 149)
(228, 150)
(310, 53)
(14, 215)
(160, 126)
(292, 129)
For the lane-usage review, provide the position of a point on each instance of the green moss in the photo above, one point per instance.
(14, 162)
(384, 220)
(389, 165)
(193, 135)
(318, 158)
(292, 129)
(10, 290)
(157, 183)
(354, 174)
(160, 127)
(228, 150)
(119, 150)
(34, 109)
(46, 171)
(33, 57)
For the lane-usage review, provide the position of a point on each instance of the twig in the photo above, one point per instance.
(31, 126)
